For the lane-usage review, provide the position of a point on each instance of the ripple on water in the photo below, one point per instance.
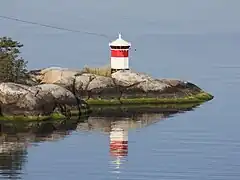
(148, 146)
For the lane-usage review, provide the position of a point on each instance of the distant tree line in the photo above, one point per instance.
(13, 68)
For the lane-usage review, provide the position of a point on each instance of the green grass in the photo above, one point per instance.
(201, 97)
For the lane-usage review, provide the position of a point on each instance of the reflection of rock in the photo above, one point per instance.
(133, 117)
(12, 156)
(104, 124)
(17, 136)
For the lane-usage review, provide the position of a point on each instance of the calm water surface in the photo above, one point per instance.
(199, 43)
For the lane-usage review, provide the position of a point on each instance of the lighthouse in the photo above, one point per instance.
(119, 54)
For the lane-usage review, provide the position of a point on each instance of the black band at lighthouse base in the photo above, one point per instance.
(115, 70)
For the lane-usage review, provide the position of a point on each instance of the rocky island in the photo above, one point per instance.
(64, 93)
(75, 91)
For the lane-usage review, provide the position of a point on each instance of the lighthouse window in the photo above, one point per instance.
(119, 47)
(125, 47)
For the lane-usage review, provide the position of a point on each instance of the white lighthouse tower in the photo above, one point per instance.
(119, 54)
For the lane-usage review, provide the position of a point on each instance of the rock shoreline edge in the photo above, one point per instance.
(198, 98)
(109, 109)
(142, 104)
(58, 93)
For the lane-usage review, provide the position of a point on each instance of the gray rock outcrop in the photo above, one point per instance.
(121, 84)
(17, 99)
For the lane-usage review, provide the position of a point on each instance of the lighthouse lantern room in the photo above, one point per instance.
(119, 54)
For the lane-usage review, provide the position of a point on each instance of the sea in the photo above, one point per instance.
(196, 41)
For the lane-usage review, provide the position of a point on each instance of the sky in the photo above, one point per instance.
(134, 19)
(173, 15)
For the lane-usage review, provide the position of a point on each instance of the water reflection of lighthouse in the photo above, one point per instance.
(119, 142)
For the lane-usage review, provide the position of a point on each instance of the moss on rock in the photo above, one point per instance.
(53, 116)
(161, 103)
(198, 98)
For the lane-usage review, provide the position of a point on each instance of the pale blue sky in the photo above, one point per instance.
(137, 20)
(168, 15)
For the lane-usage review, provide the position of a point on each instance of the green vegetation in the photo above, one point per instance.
(53, 116)
(146, 106)
(141, 103)
(12, 67)
(201, 97)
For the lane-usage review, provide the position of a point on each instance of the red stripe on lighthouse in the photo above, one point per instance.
(119, 53)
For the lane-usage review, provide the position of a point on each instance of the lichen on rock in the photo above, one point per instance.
(65, 89)
(40, 100)
(125, 85)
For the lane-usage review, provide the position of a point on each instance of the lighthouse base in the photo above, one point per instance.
(115, 70)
